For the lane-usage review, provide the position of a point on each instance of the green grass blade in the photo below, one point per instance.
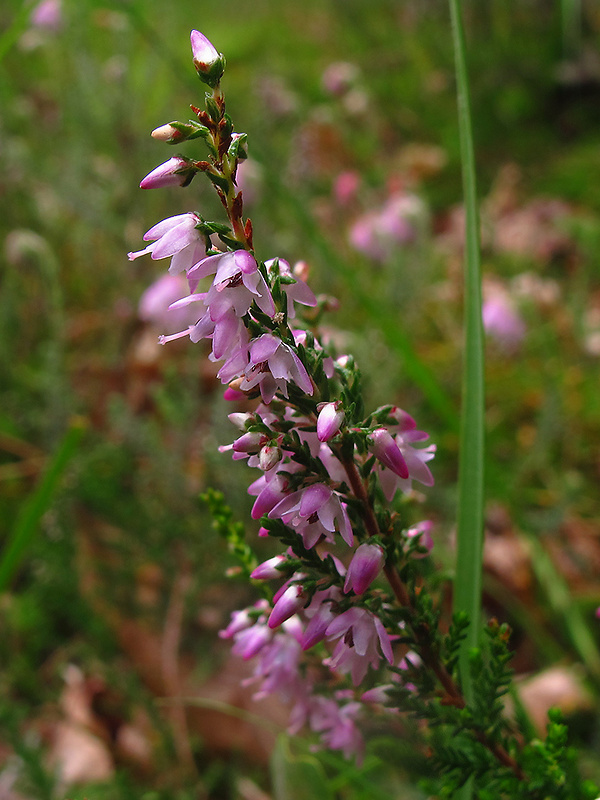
(37, 504)
(467, 587)
(469, 535)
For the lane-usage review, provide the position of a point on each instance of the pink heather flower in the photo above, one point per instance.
(337, 725)
(250, 641)
(209, 63)
(240, 620)
(250, 442)
(315, 512)
(332, 464)
(176, 237)
(385, 448)
(268, 494)
(233, 395)
(329, 421)
(250, 633)
(328, 362)
(155, 301)
(272, 365)
(296, 292)
(423, 531)
(321, 612)
(177, 171)
(277, 667)
(362, 641)
(366, 564)
(203, 52)
(415, 459)
(286, 604)
(236, 284)
(228, 333)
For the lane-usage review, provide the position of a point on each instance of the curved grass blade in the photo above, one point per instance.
(467, 585)
(37, 504)
(467, 588)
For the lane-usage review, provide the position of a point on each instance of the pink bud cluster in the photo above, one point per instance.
(322, 469)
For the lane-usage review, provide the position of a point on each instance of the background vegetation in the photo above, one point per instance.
(111, 576)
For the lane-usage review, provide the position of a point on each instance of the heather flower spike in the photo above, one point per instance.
(327, 478)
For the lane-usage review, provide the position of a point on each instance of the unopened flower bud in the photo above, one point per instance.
(177, 171)
(175, 132)
(233, 395)
(209, 63)
(268, 457)
(167, 133)
(366, 564)
(290, 601)
(384, 447)
(249, 443)
(240, 418)
(329, 421)
(269, 569)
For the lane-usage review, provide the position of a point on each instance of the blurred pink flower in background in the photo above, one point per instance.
(346, 187)
(339, 77)
(154, 304)
(378, 233)
(47, 15)
(249, 179)
(501, 320)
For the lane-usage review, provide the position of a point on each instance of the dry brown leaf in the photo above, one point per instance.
(558, 687)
